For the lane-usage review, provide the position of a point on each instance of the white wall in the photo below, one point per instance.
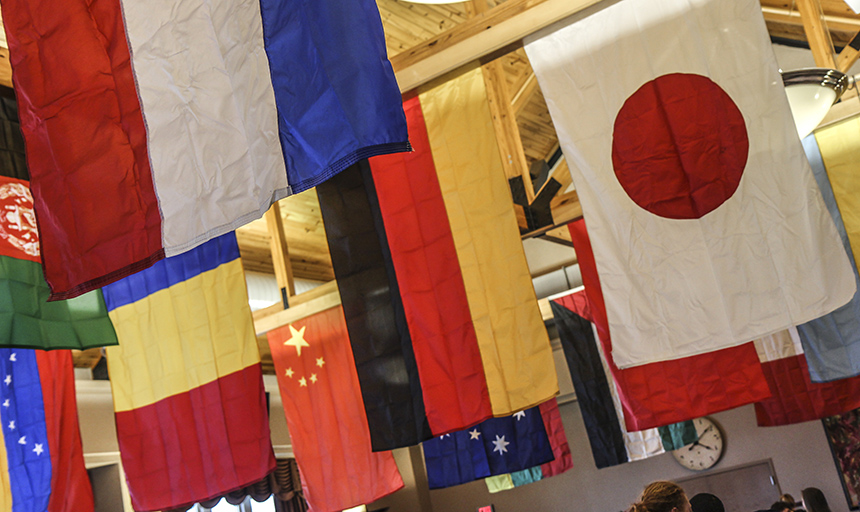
(800, 455)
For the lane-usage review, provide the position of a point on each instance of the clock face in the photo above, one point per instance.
(705, 452)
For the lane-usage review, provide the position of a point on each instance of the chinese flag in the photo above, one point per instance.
(325, 415)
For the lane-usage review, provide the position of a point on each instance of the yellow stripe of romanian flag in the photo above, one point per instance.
(182, 337)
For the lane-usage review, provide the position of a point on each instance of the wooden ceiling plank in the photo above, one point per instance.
(487, 32)
(284, 317)
(849, 55)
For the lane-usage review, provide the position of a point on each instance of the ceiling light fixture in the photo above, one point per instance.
(811, 92)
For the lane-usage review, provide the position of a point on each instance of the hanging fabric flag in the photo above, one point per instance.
(707, 227)
(41, 456)
(668, 392)
(27, 319)
(464, 331)
(562, 460)
(187, 385)
(168, 123)
(832, 342)
(795, 397)
(596, 393)
(327, 424)
(497, 446)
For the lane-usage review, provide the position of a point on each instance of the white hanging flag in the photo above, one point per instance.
(707, 226)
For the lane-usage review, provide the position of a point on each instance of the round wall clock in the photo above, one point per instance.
(704, 453)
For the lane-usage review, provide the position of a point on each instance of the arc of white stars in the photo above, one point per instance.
(474, 435)
(520, 415)
(38, 449)
(500, 445)
(298, 339)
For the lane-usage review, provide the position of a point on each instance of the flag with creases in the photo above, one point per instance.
(428, 241)
(707, 226)
(327, 423)
(171, 122)
(191, 413)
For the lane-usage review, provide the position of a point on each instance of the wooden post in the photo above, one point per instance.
(280, 254)
(816, 33)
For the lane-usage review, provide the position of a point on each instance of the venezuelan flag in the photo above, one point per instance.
(41, 457)
(187, 386)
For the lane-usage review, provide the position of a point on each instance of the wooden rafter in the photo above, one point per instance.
(280, 254)
(816, 32)
(849, 55)
(481, 35)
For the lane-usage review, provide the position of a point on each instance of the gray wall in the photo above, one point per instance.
(800, 455)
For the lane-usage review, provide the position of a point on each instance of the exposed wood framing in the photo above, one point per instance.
(505, 126)
(487, 32)
(5, 68)
(779, 14)
(816, 31)
(524, 94)
(280, 254)
(265, 323)
(849, 55)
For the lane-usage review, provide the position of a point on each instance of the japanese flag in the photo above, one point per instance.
(707, 225)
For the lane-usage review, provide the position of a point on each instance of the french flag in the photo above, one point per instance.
(152, 126)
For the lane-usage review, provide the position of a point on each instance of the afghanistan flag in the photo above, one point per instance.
(191, 415)
(434, 284)
(27, 319)
(41, 457)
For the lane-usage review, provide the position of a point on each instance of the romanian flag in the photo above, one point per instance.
(27, 319)
(153, 126)
(597, 393)
(328, 427)
(668, 392)
(41, 457)
(434, 283)
(187, 386)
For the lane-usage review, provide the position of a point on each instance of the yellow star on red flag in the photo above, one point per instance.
(297, 340)
(303, 382)
(314, 377)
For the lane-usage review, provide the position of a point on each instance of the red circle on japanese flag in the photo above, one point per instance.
(679, 146)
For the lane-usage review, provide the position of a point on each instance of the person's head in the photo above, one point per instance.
(781, 506)
(789, 499)
(662, 497)
(704, 502)
(814, 500)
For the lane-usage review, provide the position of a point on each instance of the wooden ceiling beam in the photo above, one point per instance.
(778, 14)
(280, 253)
(817, 34)
(849, 55)
(524, 94)
(479, 36)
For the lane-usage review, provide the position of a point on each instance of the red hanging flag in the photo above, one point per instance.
(325, 416)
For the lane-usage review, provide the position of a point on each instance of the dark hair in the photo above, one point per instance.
(781, 506)
(705, 502)
(788, 498)
(660, 497)
(814, 500)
